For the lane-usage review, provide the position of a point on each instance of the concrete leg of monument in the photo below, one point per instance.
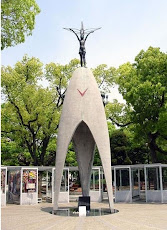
(84, 146)
(63, 141)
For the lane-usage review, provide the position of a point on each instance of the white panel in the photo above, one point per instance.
(3, 195)
(153, 196)
(3, 199)
(165, 196)
(135, 192)
(29, 198)
(123, 196)
(95, 196)
(63, 197)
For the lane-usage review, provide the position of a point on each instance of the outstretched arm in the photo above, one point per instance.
(91, 32)
(88, 35)
(73, 32)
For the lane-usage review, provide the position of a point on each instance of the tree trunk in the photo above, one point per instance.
(44, 147)
(34, 150)
(153, 146)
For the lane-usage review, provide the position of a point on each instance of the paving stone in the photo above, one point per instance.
(130, 217)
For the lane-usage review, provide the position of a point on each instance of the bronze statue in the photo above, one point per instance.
(82, 39)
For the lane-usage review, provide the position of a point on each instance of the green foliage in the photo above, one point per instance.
(31, 113)
(104, 77)
(118, 113)
(13, 154)
(50, 154)
(56, 73)
(30, 116)
(118, 143)
(71, 159)
(17, 21)
(97, 159)
(111, 128)
(137, 149)
(9, 152)
(143, 86)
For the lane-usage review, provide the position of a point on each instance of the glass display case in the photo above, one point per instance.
(29, 190)
(3, 180)
(29, 181)
(14, 178)
(3, 185)
(95, 185)
(64, 189)
(123, 184)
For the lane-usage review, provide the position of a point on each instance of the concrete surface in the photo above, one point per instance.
(83, 109)
(84, 146)
(130, 217)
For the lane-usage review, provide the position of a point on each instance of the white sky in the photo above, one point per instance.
(127, 27)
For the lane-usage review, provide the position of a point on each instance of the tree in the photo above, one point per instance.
(118, 113)
(13, 154)
(31, 114)
(118, 144)
(71, 159)
(104, 77)
(17, 21)
(59, 76)
(137, 149)
(143, 86)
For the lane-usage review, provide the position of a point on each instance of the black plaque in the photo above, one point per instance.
(84, 201)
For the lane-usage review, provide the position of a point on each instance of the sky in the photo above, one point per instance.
(127, 27)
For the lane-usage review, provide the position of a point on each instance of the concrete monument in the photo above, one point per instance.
(83, 120)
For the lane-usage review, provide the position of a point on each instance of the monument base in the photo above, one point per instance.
(84, 201)
(67, 211)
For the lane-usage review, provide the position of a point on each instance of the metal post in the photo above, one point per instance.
(115, 183)
(157, 178)
(53, 188)
(145, 177)
(120, 173)
(21, 184)
(139, 180)
(68, 188)
(65, 177)
(102, 184)
(161, 185)
(93, 179)
(5, 183)
(37, 184)
(130, 182)
(99, 183)
(46, 183)
(8, 197)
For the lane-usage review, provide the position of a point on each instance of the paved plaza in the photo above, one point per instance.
(131, 217)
